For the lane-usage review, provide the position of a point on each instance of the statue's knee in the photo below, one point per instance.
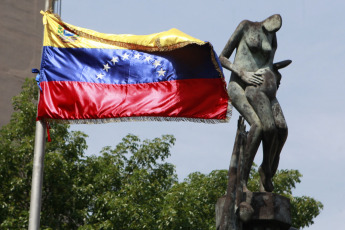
(270, 130)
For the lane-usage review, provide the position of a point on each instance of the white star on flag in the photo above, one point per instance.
(114, 60)
(125, 57)
(100, 76)
(161, 72)
(156, 63)
(106, 67)
(148, 58)
(137, 56)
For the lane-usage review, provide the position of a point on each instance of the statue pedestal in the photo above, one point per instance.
(259, 211)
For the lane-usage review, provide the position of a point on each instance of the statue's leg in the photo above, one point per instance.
(240, 102)
(262, 106)
(282, 133)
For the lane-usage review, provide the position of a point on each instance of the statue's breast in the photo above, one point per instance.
(258, 42)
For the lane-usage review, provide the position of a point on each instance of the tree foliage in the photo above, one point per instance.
(62, 160)
(130, 186)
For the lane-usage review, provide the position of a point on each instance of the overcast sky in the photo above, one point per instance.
(311, 92)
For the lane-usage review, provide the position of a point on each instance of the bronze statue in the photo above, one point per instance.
(252, 89)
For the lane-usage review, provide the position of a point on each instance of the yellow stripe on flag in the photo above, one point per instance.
(63, 35)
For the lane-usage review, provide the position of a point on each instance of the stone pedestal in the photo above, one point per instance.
(259, 211)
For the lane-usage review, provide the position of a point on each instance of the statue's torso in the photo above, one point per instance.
(255, 51)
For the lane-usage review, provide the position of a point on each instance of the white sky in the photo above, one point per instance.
(311, 92)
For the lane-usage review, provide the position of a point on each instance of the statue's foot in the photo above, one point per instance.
(266, 184)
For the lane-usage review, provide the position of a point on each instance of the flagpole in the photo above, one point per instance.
(37, 176)
(37, 172)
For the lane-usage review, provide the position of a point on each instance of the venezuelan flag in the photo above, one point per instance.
(88, 76)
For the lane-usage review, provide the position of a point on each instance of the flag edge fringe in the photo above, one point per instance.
(141, 118)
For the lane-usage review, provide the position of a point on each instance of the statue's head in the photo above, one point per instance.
(273, 23)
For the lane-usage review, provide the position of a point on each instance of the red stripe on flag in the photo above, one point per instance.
(192, 98)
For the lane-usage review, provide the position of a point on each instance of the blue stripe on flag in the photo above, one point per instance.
(124, 66)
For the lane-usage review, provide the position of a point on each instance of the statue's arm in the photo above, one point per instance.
(229, 48)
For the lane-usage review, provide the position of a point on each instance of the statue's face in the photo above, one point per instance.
(273, 23)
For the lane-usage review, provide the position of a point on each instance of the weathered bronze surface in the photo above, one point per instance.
(239, 210)
(252, 89)
(226, 217)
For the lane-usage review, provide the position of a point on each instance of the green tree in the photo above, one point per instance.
(126, 185)
(63, 158)
(130, 186)
(191, 204)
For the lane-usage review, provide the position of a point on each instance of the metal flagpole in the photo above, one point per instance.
(37, 176)
(37, 173)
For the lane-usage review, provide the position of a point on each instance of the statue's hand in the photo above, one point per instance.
(262, 71)
(252, 78)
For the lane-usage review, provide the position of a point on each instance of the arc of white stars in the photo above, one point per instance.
(100, 76)
(125, 57)
(161, 72)
(106, 67)
(137, 56)
(157, 63)
(114, 60)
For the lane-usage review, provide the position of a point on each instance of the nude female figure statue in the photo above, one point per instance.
(252, 89)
